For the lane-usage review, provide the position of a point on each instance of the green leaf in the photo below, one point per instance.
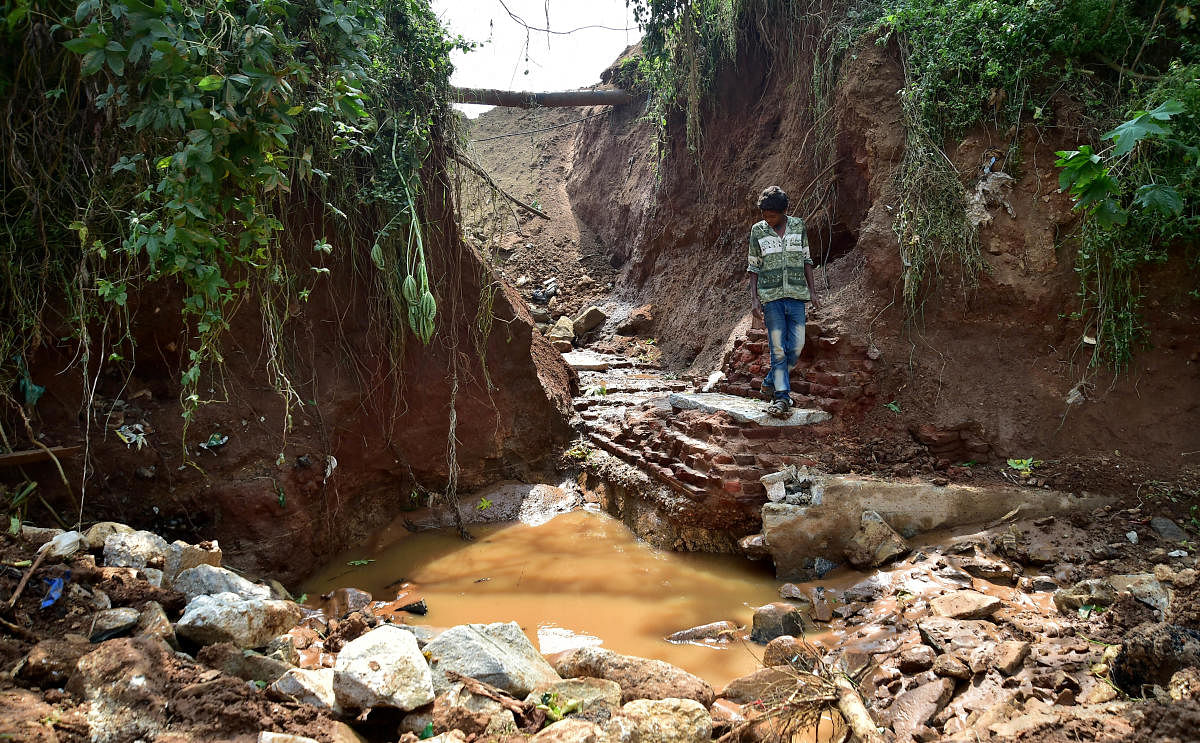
(1160, 198)
(1142, 125)
(1109, 214)
(359, 563)
(92, 62)
(377, 256)
(211, 82)
(14, 525)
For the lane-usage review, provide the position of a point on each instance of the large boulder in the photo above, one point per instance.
(244, 664)
(768, 684)
(639, 678)
(640, 321)
(383, 668)
(592, 694)
(669, 720)
(498, 654)
(135, 549)
(227, 617)
(209, 580)
(588, 320)
(778, 619)
(458, 708)
(875, 543)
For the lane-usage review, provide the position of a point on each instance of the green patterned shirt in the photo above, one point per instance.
(780, 263)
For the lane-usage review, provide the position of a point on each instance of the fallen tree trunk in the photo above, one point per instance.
(525, 99)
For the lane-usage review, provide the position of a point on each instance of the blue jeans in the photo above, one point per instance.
(785, 335)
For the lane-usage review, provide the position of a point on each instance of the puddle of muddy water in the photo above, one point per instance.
(581, 578)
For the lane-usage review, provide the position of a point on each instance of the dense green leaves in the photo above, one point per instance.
(237, 109)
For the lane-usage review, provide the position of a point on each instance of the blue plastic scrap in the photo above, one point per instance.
(55, 589)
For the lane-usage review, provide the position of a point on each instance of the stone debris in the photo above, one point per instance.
(715, 631)
(744, 410)
(383, 668)
(134, 549)
(207, 580)
(781, 618)
(227, 617)
(965, 604)
(110, 623)
(1167, 530)
(307, 686)
(639, 678)
(875, 543)
(498, 654)
(639, 322)
(669, 720)
(592, 694)
(459, 709)
(588, 320)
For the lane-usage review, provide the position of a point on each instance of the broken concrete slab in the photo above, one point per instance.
(798, 535)
(586, 361)
(744, 410)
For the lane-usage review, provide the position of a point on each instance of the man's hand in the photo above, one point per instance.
(815, 305)
(757, 310)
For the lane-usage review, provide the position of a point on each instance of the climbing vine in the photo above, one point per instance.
(234, 115)
(985, 62)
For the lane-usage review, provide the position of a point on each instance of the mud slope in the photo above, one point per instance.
(1000, 358)
(361, 441)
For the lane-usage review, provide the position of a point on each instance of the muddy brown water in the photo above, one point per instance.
(579, 579)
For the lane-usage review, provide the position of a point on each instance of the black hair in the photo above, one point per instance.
(773, 199)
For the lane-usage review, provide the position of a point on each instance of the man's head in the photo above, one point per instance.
(773, 203)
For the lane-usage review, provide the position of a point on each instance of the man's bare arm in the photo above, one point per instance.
(755, 305)
(812, 286)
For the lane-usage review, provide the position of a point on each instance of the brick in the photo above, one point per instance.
(754, 488)
(722, 459)
(762, 432)
(733, 487)
(744, 459)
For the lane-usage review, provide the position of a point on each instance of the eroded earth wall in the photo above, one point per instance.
(366, 435)
(1002, 360)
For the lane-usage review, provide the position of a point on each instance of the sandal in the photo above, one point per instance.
(780, 408)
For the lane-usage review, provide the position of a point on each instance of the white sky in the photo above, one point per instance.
(567, 62)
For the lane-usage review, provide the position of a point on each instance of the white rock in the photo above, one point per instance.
(1132, 536)
(135, 549)
(267, 737)
(383, 668)
(207, 580)
(669, 720)
(99, 532)
(227, 617)
(498, 654)
(309, 686)
(181, 556)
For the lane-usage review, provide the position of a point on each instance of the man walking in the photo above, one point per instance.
(781, 283)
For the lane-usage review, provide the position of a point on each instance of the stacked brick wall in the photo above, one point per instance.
(835, 373)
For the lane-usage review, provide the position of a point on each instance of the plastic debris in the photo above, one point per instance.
(64, 545)
(216, 441)
(131, 434)
(54, 589)
(1132, 537)
(1177, 553)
